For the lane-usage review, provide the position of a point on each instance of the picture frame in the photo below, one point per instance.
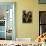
(42, 22)
(7, 23)
(42, 1)
(26, 16)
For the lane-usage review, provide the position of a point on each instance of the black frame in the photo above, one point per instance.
(26, 15)
(39, 21)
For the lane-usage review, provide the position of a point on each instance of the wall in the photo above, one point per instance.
(27, 30)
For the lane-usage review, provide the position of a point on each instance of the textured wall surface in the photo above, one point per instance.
(27, 30)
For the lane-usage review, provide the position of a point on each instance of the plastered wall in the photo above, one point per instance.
(30, 30)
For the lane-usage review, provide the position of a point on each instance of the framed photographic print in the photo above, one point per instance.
(42, 22)
(27, 16)
(42, 1)
(7, 20)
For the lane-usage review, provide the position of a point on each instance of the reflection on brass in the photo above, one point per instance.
(18, 45)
